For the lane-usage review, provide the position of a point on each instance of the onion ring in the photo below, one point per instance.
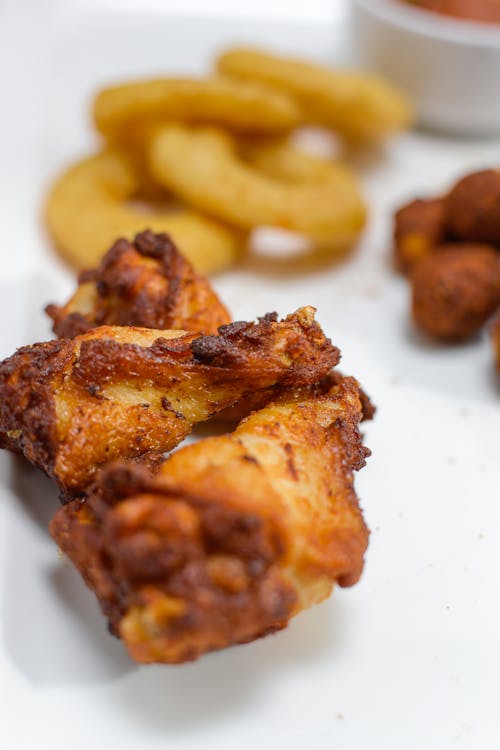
(243, 107)
(284, 189)
(358, 105)
(87, 209)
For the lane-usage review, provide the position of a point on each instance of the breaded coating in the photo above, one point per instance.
(495, 336)
(233, 536)
(456, 290)
(260, 399)
(473, 207)
(119, 392)
(146, 283)
(418, 227)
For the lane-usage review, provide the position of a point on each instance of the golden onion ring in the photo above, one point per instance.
(89, 206)
(358, 105)
(275, 186)
(242, 107)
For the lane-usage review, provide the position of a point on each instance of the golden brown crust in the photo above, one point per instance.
(258, 400)
(233, 536)
(145, 283)
(107, 195)
(456, 290)
(473, 207)
(357, 105)
(418, 227)
(120, 392)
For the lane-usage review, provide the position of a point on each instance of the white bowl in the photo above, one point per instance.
(450, 67)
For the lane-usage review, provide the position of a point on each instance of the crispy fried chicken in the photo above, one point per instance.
(233, 536)
(72, 405)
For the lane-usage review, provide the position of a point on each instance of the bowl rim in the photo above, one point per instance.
(435, 25)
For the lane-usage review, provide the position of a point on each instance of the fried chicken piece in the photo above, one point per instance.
(473, 207)
(418, 227)
(456, 290)
(245, 406)
(233, 536)
(146, 283)
(119, 392)
(495, 336)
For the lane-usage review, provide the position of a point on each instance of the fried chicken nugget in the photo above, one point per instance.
(473, 207)
(455, 290)
(145, 283)
(120, 392)
(418, 227)
(233, 536)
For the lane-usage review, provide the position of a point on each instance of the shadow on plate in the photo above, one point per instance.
(494, 377)
(187, 698)
(281, 255)
(36, 493)
(56, 635)
(53, 630)
(463, 370)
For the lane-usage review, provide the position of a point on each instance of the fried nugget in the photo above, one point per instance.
(456, 290)
(418, 227)
(473, 207)
(145, 283)
(233, 536)
(119, 392)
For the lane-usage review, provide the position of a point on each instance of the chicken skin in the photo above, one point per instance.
(233, 536)
(145, 283)
(120, 392)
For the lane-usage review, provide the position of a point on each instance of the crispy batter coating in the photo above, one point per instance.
(122, 110)
(119, 392)
(146, 283)
(495, 337)
(106, 196)
(358, 105)
(456, 290)
(418, 227)
(473, 207)
(233, 536)
(312, 196)
(260, 399)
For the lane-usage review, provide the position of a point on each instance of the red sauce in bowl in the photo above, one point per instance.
(486, 11)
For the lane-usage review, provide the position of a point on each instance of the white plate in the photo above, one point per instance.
(408, 658)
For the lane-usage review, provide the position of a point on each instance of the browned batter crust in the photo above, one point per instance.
(456, 290)
(233, 536)
(473, 207)
(418, 227)
(72, 405)
(145, 283)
